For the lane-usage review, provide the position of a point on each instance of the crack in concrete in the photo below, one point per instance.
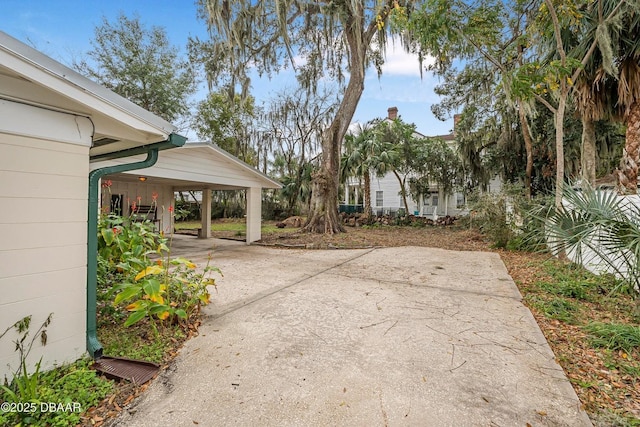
(264, 294)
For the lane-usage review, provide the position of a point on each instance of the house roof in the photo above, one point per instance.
(447, 137)
(194, 166)
(31, 77)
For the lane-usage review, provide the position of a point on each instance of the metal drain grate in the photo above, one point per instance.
(136, 371)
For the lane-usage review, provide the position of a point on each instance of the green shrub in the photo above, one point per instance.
(593, 222)
(76, 387)
(165, 289)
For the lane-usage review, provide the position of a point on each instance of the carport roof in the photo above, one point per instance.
(196, 165)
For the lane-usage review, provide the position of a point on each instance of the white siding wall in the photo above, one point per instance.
(132, 190)
(43, 229)
(390, 188)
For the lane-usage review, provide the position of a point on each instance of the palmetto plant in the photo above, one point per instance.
(600, 230)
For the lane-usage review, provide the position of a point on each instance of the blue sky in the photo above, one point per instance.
(63, 29)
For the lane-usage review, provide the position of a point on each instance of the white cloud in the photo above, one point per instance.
(398, 62)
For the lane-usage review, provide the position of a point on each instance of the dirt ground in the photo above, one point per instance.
(451, 238)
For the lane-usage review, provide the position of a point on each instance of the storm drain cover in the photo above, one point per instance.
(136, 371)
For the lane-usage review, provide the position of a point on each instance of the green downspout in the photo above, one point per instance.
(93, 345)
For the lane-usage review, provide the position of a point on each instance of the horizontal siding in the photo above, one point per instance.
(68, 320)
(41, 144)
(53, 354)
(40, 260)
(38, 285)
(390, 187)
(43, 248)
(41, 123)
(31, 185)
(45, 210)
(20, 158)
(42, 235)
(132, 190)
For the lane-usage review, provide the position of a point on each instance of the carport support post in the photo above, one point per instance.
(254, 214)
(205, 212)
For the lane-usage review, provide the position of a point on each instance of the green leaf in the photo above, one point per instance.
(181, 313)
(127, 293)
(135, 317)
(160, 308)
(151, 287)
(108, 235)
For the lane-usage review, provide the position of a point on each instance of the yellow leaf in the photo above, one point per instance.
(133, 306)
(153, 269)
(205, 298)
(189, 264)
(156, 298)
(163, 315)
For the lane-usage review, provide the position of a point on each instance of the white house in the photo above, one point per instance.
(386, 197)
(60, 134)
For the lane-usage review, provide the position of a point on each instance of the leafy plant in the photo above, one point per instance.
(160, 291)
(163, 289)
(124, 244)
(75, 385)
(24, 346)
(599, 230)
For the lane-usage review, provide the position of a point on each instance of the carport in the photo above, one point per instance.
(197, 166)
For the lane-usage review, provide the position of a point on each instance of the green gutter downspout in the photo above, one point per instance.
(93, 345)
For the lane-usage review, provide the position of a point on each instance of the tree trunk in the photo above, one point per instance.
(323, 217)
(366, 197)
(588, 152)
(528, 146)
(628, 176)
(559, 119)
(403, 192)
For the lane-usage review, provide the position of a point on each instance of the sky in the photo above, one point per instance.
(63, 30)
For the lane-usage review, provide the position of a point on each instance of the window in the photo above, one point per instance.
(459, 201)
(434, 200)
(426, 198)
(379, 198)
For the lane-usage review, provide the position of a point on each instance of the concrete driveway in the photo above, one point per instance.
(378, 337)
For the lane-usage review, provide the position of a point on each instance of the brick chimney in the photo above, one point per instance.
(393, 113)
(456, 120)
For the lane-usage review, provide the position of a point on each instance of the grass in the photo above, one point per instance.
(614, 336)
(140, 342)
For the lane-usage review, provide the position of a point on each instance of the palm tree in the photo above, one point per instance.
(593, 228)
(610, 86)
(365, 155)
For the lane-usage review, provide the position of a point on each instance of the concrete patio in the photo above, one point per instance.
(372, 337)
